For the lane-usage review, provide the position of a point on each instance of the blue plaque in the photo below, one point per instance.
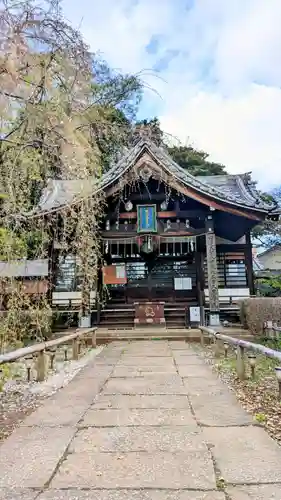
(147, 222)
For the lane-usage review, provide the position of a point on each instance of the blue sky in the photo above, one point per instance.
(215, 66)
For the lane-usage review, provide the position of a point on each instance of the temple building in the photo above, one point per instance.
(176, 249)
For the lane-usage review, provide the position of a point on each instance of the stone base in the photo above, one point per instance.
(85, 321)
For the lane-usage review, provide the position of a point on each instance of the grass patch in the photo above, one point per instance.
(258, 395)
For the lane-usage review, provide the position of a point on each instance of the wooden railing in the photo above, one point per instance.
(222, 341)
(43, 349)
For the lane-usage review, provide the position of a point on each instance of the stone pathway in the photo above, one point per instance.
(143, 421)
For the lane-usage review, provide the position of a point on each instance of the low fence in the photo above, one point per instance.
(224, 341)
(43, 350)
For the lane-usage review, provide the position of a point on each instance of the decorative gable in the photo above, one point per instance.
(229, 193)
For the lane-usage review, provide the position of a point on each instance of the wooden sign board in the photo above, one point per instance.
(194, 314)
(114, 275)
(149, 313)
(183, 283)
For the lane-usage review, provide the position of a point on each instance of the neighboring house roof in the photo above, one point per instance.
(267, 273)
(232, 189)
(269, 250)
(257, 265)
(24, 268)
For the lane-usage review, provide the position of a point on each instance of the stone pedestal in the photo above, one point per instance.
(85, 321)
(149, 314)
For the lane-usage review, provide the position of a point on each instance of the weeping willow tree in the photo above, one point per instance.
(64, 114)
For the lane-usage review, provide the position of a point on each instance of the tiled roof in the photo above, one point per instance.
(232, 189)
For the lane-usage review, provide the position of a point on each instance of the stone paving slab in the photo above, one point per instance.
(261, 492)
(95, 372)
(130, 371)
(67, 413)
(146, 361)
(179, 345)
(187, 360)
(80, 391)
(136, 470)
(129, 439)
(112, 351)
(29, 458)
(211, 386)
(245, 454)
(194, 370)
(170, 401)
(127, 417)
(108, 358)
(145, 385)
(131, 495)
(152, 344)
(184, 353)
(218, 410)
(148, 352)
(17, 494)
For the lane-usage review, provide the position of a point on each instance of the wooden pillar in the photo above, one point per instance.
(51, 267)
(200, 280)
(249, 263)
(53, 258)
(213, 285)
(199, 265)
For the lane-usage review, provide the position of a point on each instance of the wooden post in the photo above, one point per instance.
(202, 339)
(41, 366)
(249, 263)
(240, 363)
(211, 252)
(217, 347)
(52, 359)
(199, 264)
(75, 352)
(94, 339)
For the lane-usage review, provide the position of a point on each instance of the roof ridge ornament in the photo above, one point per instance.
(145, 173)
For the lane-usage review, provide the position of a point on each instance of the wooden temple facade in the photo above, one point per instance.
(169, 241)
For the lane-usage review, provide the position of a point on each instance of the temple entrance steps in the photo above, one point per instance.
(175, 315)
(121, 315)
(160, 333)
(147, 333)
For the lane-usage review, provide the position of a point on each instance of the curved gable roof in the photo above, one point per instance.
(235, 190)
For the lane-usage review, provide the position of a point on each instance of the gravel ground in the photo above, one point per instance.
(19, 398)
(258, 396)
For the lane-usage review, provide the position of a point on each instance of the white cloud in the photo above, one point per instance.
(222, 90)
(242, 132)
